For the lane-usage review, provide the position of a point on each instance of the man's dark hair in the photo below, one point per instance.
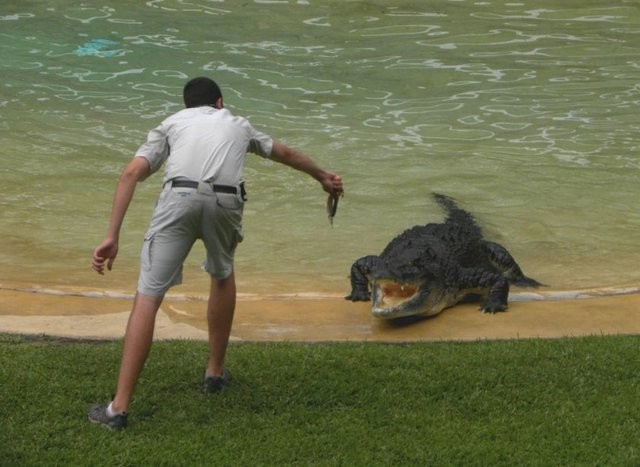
(201, 91)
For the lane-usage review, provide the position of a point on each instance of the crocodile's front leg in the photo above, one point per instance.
(359, 281)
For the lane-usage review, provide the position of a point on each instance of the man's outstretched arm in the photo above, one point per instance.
(331, 183)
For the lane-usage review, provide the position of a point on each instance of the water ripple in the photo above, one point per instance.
(16, 16)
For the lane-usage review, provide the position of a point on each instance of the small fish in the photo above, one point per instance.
(332, 207)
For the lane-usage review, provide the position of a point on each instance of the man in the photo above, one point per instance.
(203, 148)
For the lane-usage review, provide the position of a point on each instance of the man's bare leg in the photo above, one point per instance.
(137, 342)
(220, 310)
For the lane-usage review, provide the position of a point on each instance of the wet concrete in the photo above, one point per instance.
(313, 319)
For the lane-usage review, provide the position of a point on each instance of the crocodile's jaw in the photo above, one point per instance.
(395, 300)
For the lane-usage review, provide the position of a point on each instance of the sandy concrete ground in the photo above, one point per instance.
(309, 319)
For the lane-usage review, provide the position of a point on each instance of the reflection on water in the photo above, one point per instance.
(527, 116)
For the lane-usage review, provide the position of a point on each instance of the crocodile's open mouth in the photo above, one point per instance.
(393, 300)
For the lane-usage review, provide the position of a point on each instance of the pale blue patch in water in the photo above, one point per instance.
(98, 48)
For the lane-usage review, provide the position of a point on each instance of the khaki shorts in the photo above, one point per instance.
(181, 216)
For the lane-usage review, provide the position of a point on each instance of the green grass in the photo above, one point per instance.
(525, 402)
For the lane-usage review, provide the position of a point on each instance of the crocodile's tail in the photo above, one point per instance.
(455, 214)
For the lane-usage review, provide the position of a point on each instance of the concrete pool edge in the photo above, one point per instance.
(321, 319)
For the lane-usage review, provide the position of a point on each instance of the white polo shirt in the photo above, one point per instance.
(204, 144)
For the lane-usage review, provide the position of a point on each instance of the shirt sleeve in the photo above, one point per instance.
(155, 149)
(260, 143)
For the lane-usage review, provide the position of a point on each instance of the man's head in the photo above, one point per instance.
(202, 91)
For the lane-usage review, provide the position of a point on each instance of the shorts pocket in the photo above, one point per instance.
(229, 201)
(145, 253)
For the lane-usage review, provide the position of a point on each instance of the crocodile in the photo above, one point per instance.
(428, 268)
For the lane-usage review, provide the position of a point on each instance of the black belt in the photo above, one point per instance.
(194, 184)
(214, 186)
